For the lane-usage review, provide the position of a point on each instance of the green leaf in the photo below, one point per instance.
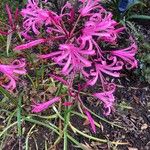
(135, 2)
(145, 17)
(6, 93)
(19, 115)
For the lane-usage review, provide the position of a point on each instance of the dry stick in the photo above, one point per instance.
(134, 88)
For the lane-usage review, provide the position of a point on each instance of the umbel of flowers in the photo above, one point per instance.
(74, 38)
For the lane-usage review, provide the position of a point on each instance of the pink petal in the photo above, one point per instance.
(29, 45)
(67, 64)
(49, 55)
(67, 103)
(59, 79)
(107, 98)
(42, 106)
(9, 15)
(91, 120)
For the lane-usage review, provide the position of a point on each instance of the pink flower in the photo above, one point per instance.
(70, 13)
(34, 17)
(58, 78)
(107, 98)
(71, 58)
(102, 67)
(11, 71)
(30, 44)
(127, 54)
(91, 120)
(86, 41)
(102, 26)
(88, 6)
(42, 106)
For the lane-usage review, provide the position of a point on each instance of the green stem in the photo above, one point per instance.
(31, 80)
(66, 122)
(105, 120)
(94, 138)
(5, 92)
(40, 123)
(19, 116)
(74, 27)
(27, 138)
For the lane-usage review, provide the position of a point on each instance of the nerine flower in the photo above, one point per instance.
(42, 106)
(11, 72)
(107, 98)
(88, 6)
(102, 67)
(71, 58)
(79, 37)
(127, 55)
(34, 17)
(102, 26)
(86, 41)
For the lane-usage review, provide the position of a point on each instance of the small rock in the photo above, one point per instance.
(144, 126)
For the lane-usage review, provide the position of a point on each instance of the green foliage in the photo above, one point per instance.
(132, 11)
(145, 17)
(137, 11)
(146, 65)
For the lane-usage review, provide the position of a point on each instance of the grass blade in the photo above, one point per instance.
(6, 93)
(144, 17)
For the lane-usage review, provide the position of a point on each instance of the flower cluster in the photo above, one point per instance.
(74, 38)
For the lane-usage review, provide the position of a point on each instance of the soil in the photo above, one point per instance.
(135, 119)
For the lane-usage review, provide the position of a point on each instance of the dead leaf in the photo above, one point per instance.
(86, 122)
(136, 99)
(52, 89)
(86, 146)
(144, 126)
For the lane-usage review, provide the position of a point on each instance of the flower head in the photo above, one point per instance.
(34, 17)
(76, 43)
(71, 58)
(88, 6)
(107, 98)
(11, 71)
(127, 55)
(102, 67)
(102, 26)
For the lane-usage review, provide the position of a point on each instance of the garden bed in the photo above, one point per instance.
(126, 128)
